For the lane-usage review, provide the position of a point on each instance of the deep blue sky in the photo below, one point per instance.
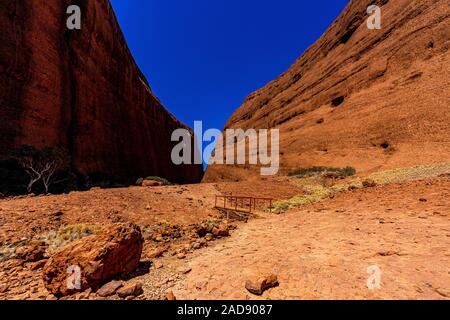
(203, 57)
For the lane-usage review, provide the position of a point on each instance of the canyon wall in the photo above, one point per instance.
(371, 99)
(81, 90)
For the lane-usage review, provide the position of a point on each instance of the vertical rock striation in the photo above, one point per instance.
(81, 90)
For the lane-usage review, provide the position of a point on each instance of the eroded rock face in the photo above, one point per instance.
(97, 259)
(81, 90)
(32, 252)
(371, 99)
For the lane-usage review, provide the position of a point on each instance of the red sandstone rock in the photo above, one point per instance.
(221, 231)
(82, 90)
(32, 252)
(130, 290)
(113, 252)
(109, 289)
(368, 87)
(155, 253)
(170, 296)
(261, 283)
(37, 265)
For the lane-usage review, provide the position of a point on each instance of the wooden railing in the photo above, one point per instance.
(240, 204)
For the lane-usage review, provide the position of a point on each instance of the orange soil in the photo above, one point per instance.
(323, 251)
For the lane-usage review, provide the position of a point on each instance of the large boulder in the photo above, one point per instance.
(93, 261)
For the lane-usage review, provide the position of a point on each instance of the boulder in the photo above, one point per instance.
(184, 270)
(196, 245)
(257, 285)
(130, 290)
(221, 231)
(155, 252)
(94, 260)
(209, 237)
(109, 289)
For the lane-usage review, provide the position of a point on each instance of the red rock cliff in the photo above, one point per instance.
(372, 99)
(81, 90)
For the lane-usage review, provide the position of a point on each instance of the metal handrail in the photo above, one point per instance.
(252, 201)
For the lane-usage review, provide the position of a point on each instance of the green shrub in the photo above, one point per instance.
(347, 171)
(139, 181)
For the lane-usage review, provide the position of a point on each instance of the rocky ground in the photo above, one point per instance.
(319, 251)
(32, 229)
(323, 251)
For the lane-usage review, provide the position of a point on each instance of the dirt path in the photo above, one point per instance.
(323, 251)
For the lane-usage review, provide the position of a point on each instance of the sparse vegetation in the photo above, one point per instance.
(410, 174)
(316, 171)
(8, 251)
(67, 234)
(316, 190)
(77, 231)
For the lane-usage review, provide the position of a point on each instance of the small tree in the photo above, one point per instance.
(42, 164)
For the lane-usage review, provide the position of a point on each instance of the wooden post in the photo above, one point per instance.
(270, 206)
